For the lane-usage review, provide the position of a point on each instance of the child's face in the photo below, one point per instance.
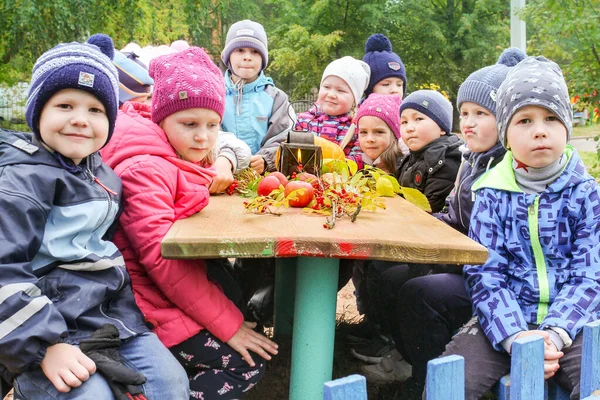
(536, 136)
(390, 86)
(192, 132)
(74, 123)
(417, 129)
(374, 136)
(478, 126)
(246, 63)
(335, 97)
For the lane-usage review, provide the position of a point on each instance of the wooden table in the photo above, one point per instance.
(308, 263)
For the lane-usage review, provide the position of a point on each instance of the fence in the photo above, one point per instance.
(446, 376)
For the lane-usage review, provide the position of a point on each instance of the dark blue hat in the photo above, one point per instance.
(384, 63)
(433, 104)
(84, 66)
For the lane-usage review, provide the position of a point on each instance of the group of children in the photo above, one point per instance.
(81, 238)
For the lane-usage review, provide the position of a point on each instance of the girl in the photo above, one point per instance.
(342, 85)
(163, 154)
(378, 121)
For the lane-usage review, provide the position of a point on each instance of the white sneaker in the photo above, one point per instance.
(392, 368)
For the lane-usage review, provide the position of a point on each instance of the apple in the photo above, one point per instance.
(282, 179)
(304, 195)
(328, 177)
(267, 185)
(305, 176)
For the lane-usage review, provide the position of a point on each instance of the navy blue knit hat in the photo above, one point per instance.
(384, 63)
(481, 86)
(84, 66)
(433, 104)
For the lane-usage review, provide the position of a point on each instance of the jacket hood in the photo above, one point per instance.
(502, 177)
(485, 158)
(136, 134)
(258, 85)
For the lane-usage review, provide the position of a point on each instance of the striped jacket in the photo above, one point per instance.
(60, 280)
(331, 128)
(544, 252)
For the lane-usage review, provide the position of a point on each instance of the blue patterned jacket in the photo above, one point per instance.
(544, 252)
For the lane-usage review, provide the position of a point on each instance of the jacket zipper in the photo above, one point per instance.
(106, 191)
(540, 261)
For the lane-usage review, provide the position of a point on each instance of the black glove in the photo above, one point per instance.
(103, 349)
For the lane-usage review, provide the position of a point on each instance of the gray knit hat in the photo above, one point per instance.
(535, 81)
(246, 33)
(433, 104)
(481, 86)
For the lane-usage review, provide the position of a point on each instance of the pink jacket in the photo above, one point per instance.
(158, 189)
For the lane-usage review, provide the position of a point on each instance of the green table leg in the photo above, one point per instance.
(314, 327)
(285, 288)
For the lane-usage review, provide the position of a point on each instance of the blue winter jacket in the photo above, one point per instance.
(259, 115)
(60, 280)
(544, 252)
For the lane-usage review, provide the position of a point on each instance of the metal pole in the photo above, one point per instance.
(518, 37)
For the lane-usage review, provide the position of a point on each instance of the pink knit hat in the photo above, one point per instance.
(186, 79)
(386, 107)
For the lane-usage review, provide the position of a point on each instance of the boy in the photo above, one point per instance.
(256, 111)
(537, 212)
(61, 280)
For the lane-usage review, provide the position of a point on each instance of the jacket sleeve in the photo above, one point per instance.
(578, 301)
(30, 322)
(150, 209)
(493, 301)
(280, 122)
(235, 150)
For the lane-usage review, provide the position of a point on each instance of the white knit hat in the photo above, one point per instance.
(354, 72)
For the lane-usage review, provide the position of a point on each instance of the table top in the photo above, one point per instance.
(401, 232)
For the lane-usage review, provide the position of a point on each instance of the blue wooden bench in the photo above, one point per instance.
(446, 376)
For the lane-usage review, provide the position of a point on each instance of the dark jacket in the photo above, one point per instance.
(432, 170)
(459, 203)
(60, 280)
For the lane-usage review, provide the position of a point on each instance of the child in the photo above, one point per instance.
(428, 309)
(388, 75)
(536, 212)
(134, 82)
(378, 121)
(62, 281)
(163, 156)
(256, 111)
(342, 85)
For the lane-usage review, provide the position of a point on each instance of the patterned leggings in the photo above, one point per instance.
(216, 370)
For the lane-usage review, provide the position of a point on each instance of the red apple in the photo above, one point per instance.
(305, 176)
(267, 185)
(282, 179)
(303, 196)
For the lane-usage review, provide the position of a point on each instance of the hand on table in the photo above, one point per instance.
(66, 366)
(551, 353)
(246, 339)
(224, 177)
(257, 163)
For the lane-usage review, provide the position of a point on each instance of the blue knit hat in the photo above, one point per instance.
(384, 63)
(433, 104)
(134, 80)
(535, 81)
(481, 86)
(84, 66)
(246, 33)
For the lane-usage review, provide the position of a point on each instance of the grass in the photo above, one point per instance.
(592, 163)
(586, 131)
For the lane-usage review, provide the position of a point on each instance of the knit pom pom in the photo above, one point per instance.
(378, 42)
(104, 42)
(511, 56)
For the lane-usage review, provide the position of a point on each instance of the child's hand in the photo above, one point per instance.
(224, 177)
(246, 339)
(66, 366)
(551, 353)
(257, 163)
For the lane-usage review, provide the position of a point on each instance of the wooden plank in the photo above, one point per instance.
(590, 361)
(402, 232)
(446, 378)
(527, 369)
(353, 387)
